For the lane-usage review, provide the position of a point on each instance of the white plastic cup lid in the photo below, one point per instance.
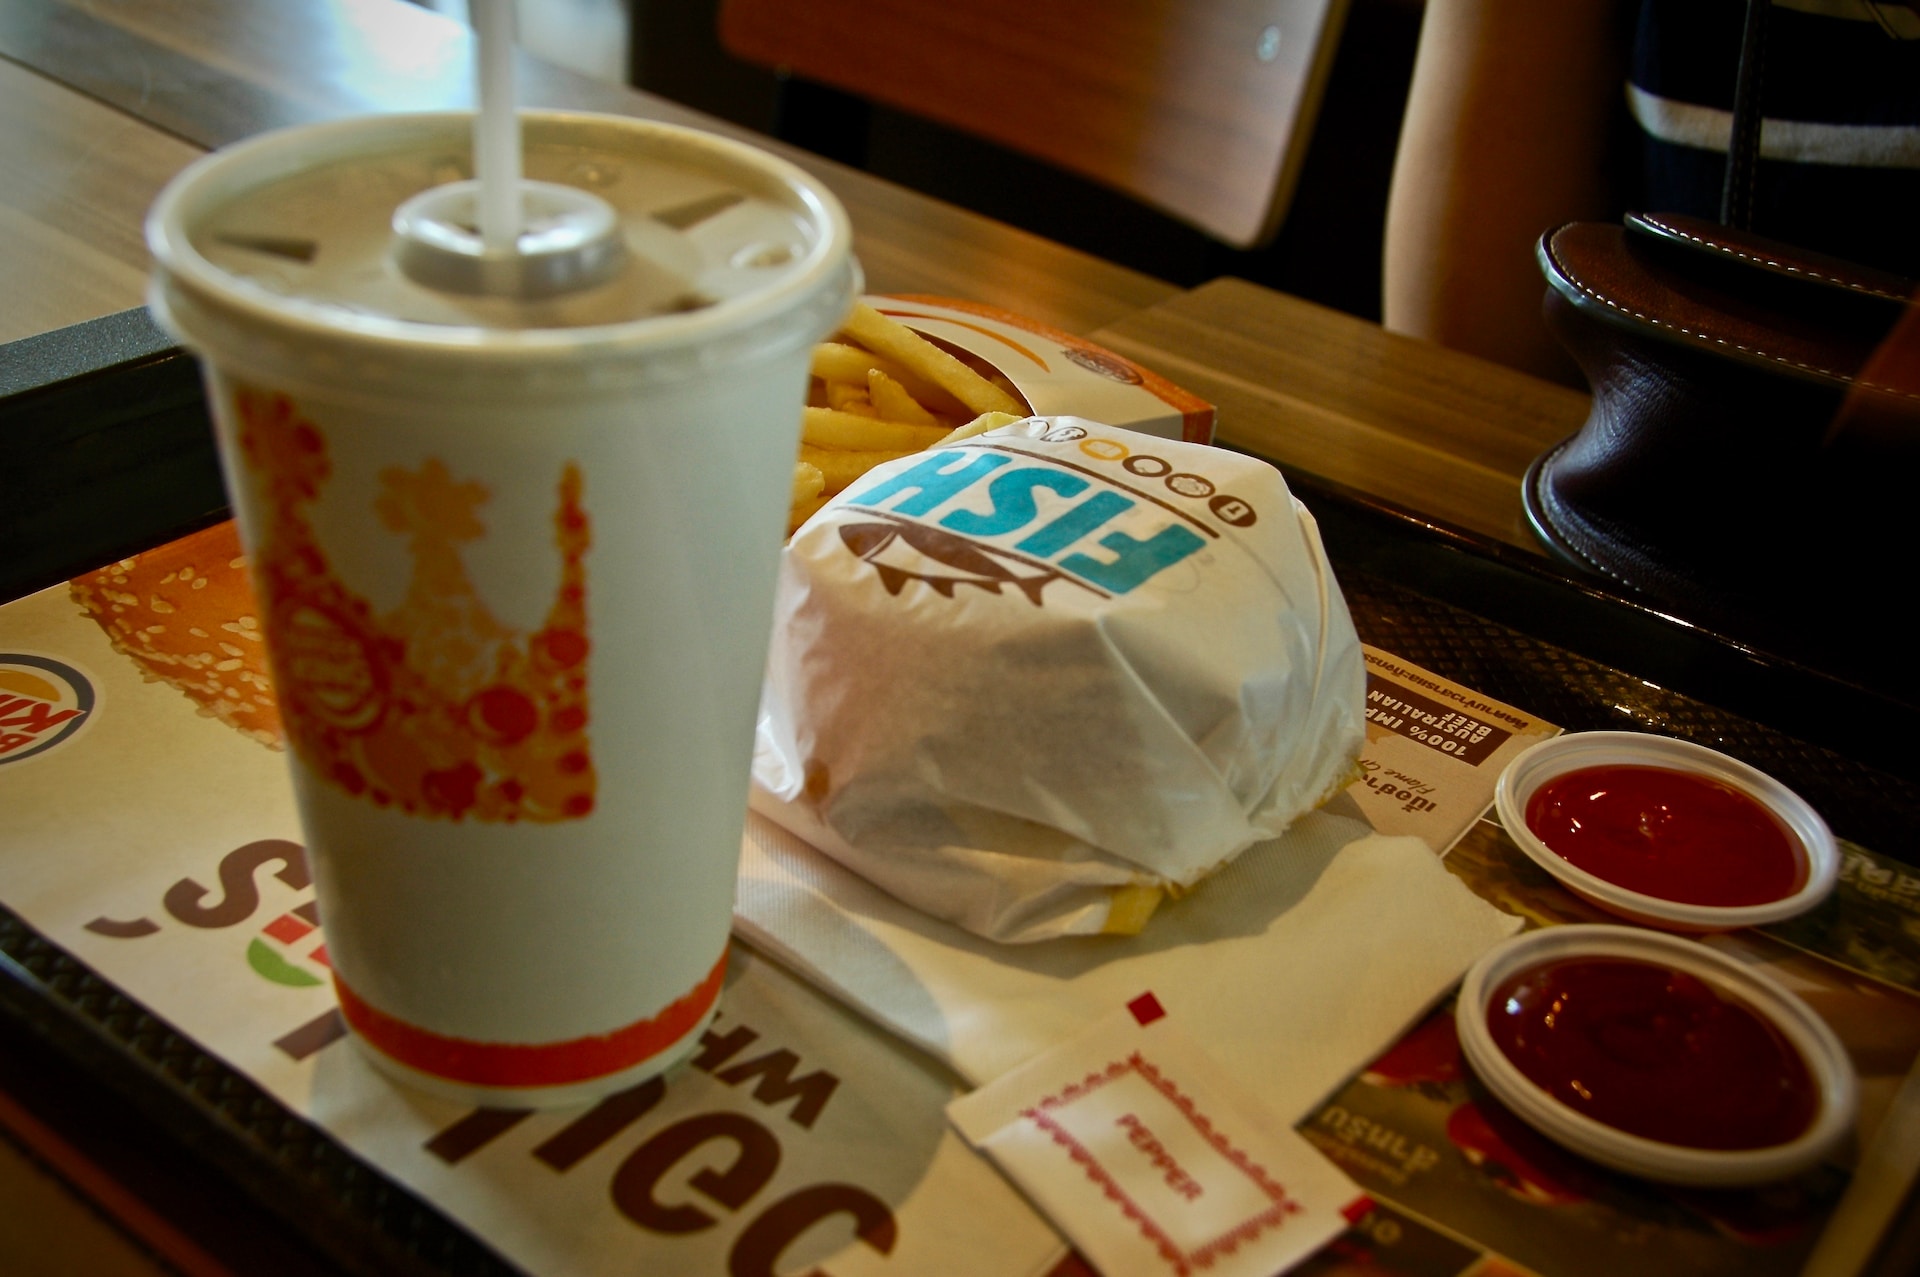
(281, 253)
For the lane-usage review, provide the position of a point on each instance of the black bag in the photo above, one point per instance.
(1752, 458)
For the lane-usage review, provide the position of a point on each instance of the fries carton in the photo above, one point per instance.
(1057, 374)
(1038, 680)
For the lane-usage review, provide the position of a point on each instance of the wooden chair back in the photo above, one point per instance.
(1199, 108)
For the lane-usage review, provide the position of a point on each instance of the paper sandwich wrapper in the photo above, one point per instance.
(1038, 681)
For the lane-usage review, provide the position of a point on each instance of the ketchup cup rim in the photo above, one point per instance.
(1826, 1059)
(1562, 754)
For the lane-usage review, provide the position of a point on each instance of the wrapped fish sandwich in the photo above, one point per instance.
(1040, 680)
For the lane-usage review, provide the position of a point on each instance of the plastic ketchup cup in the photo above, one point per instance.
(513, 522)
(1665, 832)
(1656, 1055)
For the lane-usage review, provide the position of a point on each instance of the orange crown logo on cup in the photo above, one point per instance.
(436, 707)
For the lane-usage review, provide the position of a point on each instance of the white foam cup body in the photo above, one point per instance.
(516, 575)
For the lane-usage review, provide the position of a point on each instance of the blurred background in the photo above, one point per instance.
(1327, 245)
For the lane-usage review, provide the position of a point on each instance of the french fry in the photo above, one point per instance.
(840, 469)
(826, 428)
(870, 406)
(808, 482)
(838, 361)
(801, 511)
(978, 426)
(847, 396)
(891, 400)
(904, 346)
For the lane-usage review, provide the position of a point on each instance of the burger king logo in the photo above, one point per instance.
(43, 703)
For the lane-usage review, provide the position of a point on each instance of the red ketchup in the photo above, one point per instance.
(1654, 1052)
(1671, 834)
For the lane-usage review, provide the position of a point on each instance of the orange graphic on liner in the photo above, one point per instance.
(184, 613)
(436, 708)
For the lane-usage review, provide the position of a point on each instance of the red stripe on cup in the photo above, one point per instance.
(530, 1064)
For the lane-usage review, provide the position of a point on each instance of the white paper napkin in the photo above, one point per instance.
(1293, 966)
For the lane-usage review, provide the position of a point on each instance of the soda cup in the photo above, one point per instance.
(513, 522)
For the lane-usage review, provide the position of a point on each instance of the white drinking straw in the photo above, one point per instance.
(496, 129)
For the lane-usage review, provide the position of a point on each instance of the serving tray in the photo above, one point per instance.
(1581, 659)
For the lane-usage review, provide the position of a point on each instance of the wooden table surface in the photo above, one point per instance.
(1324, 393)
(75, 179)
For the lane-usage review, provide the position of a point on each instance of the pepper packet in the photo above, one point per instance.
(1152, 1160)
